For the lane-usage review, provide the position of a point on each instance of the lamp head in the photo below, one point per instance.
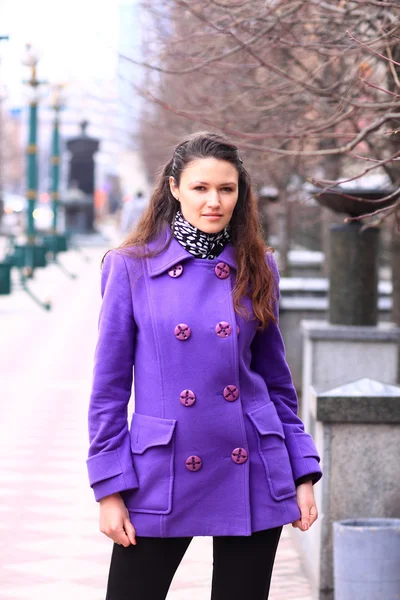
(30, 57)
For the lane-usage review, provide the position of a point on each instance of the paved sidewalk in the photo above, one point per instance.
(51, 546)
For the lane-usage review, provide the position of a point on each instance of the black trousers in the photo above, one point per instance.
(242, 567)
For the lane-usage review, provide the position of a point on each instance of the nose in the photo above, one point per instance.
(213, 200)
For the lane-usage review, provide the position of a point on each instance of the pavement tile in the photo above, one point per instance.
(60, 569)
(62, 590)
(13, 580)
(72, 547)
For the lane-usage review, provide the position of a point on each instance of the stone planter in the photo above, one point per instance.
(5, 277)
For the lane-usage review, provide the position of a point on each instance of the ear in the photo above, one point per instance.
(173, 187)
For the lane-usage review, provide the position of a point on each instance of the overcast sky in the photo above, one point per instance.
(78, 42)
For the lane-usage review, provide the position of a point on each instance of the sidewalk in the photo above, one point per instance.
(49, 520)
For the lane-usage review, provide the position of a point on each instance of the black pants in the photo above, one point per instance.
(242, 567)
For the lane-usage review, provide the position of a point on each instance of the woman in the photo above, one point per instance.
(215, 446)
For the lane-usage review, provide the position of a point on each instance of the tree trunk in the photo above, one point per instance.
(284, 233)
(394, 172)
(396, 274)
(332, 166)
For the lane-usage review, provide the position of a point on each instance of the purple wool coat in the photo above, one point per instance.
(215, 444)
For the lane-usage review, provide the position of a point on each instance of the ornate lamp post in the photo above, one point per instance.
(57, 241)
(5, 265)
(2, 38)
(31, 60)
(32, 254)
(55, 157)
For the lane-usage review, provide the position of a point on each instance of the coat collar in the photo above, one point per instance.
(175, 253)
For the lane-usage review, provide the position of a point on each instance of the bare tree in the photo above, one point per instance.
(291, 79)
(305, 87)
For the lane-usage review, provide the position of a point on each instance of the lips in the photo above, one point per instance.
(212, 215)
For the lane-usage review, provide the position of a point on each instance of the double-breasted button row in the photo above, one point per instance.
(230, 393)
(223, 329)
(238, 455)
(222, 270)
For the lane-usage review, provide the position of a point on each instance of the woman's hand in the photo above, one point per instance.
(115, 522)
(307, 506)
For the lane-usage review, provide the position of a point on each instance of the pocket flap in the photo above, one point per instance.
(266, 420)
(149, 431)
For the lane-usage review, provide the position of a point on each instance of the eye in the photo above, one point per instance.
(200, 188)
(227, 189)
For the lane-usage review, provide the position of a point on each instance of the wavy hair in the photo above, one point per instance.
(254, 276)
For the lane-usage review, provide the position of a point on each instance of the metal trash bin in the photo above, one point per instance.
(366, 559)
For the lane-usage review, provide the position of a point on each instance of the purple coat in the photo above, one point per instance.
(215, 444)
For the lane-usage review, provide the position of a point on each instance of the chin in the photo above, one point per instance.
(211, 227)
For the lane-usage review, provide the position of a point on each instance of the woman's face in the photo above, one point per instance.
(208, 193)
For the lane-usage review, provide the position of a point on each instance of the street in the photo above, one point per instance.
(51, 544)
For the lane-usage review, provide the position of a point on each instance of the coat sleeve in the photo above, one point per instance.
(109, 463)
(269, 360)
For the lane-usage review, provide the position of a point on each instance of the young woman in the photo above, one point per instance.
(215, 446)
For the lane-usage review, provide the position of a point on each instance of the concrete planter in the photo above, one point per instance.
(56, 242)
(30, 255)
(5, 277)
(366, 559)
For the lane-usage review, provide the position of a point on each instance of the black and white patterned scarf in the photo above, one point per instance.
(198, 243)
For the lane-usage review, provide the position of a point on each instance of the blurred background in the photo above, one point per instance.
(76, 47)
(93, 99)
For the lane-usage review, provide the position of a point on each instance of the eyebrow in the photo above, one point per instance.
(206, 183)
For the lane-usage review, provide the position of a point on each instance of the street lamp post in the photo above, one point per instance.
(27, 256)
(32, 254)
(32, 173)
(55, 157)
(31, 60)
(5, 265)
(56, 240)
(2, 38)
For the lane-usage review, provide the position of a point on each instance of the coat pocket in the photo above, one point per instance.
(273, 451)
(152, 446)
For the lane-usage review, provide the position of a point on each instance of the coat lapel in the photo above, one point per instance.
(175, 253)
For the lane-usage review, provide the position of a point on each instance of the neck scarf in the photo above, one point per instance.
(198, 243)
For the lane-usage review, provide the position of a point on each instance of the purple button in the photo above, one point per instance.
(222, 270)
(176, 271)
(223, 329)
(193, 463)
(231, 393)
(182, 332)
(187, 398)
(239, 455)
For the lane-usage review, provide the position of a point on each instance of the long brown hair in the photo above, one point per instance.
(254, 276)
